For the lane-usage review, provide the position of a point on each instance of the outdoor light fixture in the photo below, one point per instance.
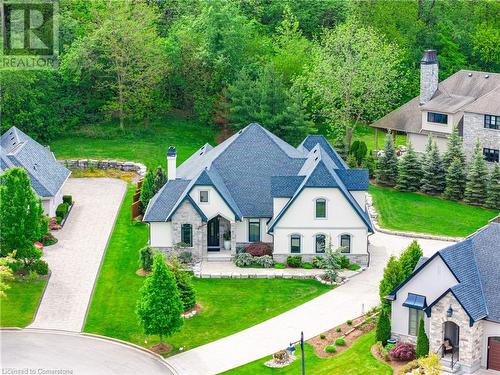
(449, 312)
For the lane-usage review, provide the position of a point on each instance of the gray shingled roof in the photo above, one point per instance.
(466, 90)
(19, 150)
(251, 167)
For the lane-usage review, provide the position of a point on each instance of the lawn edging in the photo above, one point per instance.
(41, 297)
(374, 215)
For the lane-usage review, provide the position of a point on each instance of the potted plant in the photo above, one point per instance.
(227, 241)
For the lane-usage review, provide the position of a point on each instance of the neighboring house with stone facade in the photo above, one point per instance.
(468, 100)
(47, 176)
(256, 187)
(457, 292)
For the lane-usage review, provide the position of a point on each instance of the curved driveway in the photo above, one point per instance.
(74, 260)
(73, 353)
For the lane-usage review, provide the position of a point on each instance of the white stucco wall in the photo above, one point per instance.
(278, 204)
(160, 234)
(50, 204)
(360, 197)
(419, 141)
(242, 230)
(490, 329)
(215, 205)
(341, 218)
(431, 282)
(437, 127)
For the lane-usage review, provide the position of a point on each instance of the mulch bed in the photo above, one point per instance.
(142, 272)
(396, 365)
(348, 332)
(161, 348)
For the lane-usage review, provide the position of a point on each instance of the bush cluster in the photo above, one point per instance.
(403, 352)
(68, 199)
(280, 266)
(62, 212)
(307, 266)
(243, 260)
(258, 249)
(330, 349)
(318, 262)
(294, 261)
(340, 342)
(266, 261)
(39, 266)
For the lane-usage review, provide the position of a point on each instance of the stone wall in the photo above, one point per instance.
(186, 214)
(470, 338)
(126, 166)
(474, 129)
(428, 81)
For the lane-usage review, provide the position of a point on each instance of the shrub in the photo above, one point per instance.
(294, 261)
(62, 210)
(243, 260)
(383, 332)
(281, 357)
(48, 239)
(53, 224)
(389, 347)
(59, 220)
(340, 342)
(422, 349)
(330, 349)
(322, 336)
(186, 289)
(146, 258)
(258, 249)
(307, 266)
(408, 368)
(318, 262)
(344, 262)
(354, 267)
(349, 322)
(430, 364)
(265, 261)
(185, 257)
(403, 352)
(39, 266)
(68, 199)
(338, 329)
(331, 263)
(280, 266)
(382, 351)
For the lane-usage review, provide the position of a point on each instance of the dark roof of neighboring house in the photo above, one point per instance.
(250, 168)
(466, 90)
(19, 150)
(475, 262)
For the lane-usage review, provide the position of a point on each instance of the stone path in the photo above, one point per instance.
(314, 317)
(74, 261)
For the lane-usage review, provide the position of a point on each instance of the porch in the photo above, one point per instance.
(220, 240)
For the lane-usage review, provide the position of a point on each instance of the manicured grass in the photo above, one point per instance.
(357, 360)
(414, 212)
(229, 305)
(18, 308)
(366, 134)
(148, 146)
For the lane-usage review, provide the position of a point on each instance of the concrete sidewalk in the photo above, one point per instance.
(314, 317)
(74, 261)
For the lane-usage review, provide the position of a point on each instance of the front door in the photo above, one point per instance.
(494, 353)
(213, 234)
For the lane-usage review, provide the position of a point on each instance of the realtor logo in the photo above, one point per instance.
(30, 34)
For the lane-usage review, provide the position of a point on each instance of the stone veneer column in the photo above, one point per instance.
(233, 237)
(186, 214)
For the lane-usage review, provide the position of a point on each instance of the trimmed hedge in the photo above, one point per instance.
(62, 210)
(68, 199)
(294, 261)
(258, 249)
(330, 349)
(340, 342)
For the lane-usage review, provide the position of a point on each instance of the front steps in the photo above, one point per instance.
(446, 366)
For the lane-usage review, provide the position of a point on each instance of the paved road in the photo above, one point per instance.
(74, 261)
(75, 353)
(313, 317)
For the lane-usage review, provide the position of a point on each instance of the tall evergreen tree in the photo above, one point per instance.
(409, 258)
(454, 149)
(455, 180)
(147, 189)
(387, 170)
(477, 181)
(493, 200)
(433, 176)
(383, 332)
(409, 171)
(159, 307)
(422, 349)
(393, 276)
(160, 180)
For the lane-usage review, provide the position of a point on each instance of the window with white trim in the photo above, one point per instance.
(438, 118)
(253, 230)
(492, 122)
(320, 209)
(203, 196)
(295, 243)
(320, 243)
(345, 243)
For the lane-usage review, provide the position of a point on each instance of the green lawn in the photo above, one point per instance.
(18, 308)
(357, 360)
(148, 146)
(414, 212)
(229, 305)
(366, 134)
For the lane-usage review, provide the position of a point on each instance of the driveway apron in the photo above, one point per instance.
(75, 259)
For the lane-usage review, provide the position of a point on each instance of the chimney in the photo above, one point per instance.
(428, 75)
(171, 163)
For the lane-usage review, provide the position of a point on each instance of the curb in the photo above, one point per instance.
(41, 298)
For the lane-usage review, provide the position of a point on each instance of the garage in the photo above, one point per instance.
(494, 353)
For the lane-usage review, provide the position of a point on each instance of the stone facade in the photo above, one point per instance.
(186, 214)
(126, 166)
(428, 81)
(470, 338)
(473, 129)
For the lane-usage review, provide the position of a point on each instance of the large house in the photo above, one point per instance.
(46, 174)
(256, 187)
(468, 100)
(456, 292)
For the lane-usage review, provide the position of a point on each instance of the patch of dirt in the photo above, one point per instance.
(396, 365)
(161, 348)
(142, 272)
(195, 309)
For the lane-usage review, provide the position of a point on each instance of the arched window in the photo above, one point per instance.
(320, 243)
(295, 243)
(320, 208)
(187, 234)
(345, 243)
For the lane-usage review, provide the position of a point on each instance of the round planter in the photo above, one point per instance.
(227, 245)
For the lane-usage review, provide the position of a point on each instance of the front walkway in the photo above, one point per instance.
(314, 317)
(74, 261)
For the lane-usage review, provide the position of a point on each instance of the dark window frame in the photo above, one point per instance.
(323, 201)
(491, 155)
(203, 191)
(250, 223)
(189, 227)
(316, 243)
(346, 249)
(437, 118)
(489, 124)
(294, 249)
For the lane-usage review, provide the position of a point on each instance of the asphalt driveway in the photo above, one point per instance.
(38, 352)
(74, 261)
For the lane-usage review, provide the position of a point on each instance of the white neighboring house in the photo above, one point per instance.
(256, 187)
(468, 100)
(47, 175)
(457, 292)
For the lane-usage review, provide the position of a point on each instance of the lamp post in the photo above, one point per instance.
(292, 349)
